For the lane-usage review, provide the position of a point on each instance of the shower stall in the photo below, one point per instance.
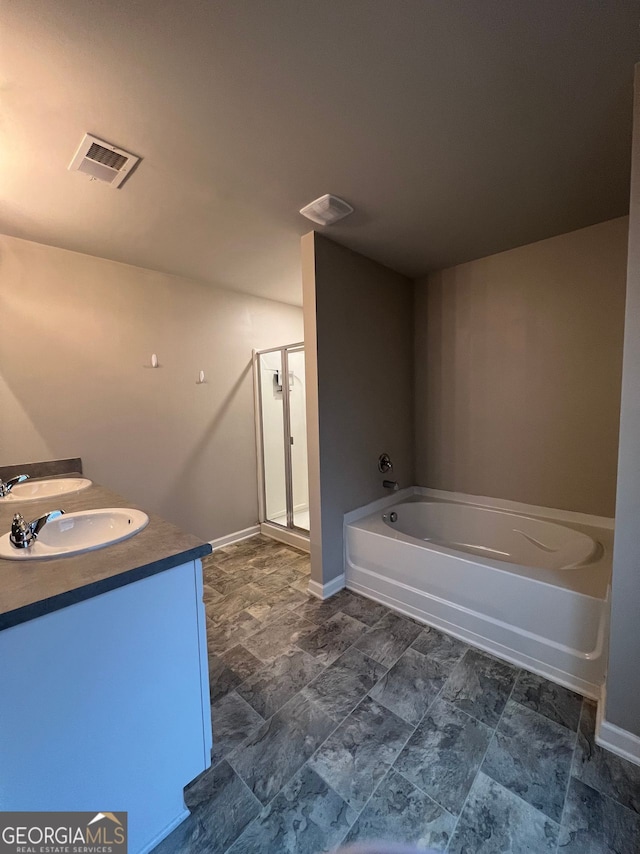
(281, 433)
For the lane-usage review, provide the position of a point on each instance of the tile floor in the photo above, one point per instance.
(341, 721)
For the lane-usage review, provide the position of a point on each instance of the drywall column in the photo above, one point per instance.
(313, 418)
(623, 698)
(359, 374)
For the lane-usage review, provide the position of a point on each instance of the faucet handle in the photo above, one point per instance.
(384, 463)
(24, 533)
(21, 534)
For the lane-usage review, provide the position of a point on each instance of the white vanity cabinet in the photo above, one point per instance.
(104, 704)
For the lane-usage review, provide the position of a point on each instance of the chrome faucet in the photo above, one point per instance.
(7, 486)
(391, 484)
(24, 533)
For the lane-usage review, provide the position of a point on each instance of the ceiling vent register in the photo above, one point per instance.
(101, 161)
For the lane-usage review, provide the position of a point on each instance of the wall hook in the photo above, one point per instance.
(201, 380)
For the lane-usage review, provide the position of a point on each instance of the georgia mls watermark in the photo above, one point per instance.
(63, 833)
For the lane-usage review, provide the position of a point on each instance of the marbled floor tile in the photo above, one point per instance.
(237, 629)
(251, 574)
(210, 595)
(239, 563)
(226, 583)
(302, 564)
(440, 647)
(232, 720)
(329, 641)
(212, 572)
(223, 804)
(409, 688)
(243, 550)
(359, 753)
(189, 837)
(389, 638)
(318, 611)
(277, 682)
(595, 824)
(225, 552)
(602, 770)
(273, 754)
(444, 754)
(277, 580)
(553, 701)
(340, 687)
(236, 567)
(275, 605)
(398, 811)
(234, 602)
(495, 821)
(255, 542)
(230, 669)
(273, 559)
(365, 610)
(302, 583)
(306, 817)
(531, 756)
(480, 685)
(274, 639)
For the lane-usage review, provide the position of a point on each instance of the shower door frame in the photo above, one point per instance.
(286, 415)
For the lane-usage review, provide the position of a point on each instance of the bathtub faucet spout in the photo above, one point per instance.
(391, 484)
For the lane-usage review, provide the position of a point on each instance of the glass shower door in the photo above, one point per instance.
(298, 440)
(273, 437)
(283, 436)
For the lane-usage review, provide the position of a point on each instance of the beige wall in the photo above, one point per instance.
(518, 366)
(76, 334)
(623, 695)
(359, 387)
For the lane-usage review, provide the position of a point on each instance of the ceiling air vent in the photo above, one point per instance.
(102, 161)
(326, 210)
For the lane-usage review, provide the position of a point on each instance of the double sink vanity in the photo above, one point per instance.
(51, 535)
(103, 657)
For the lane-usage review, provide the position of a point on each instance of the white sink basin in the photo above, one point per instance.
(35, 490)
(79, 532)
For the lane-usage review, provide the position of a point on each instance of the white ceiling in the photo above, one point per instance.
(456, 128)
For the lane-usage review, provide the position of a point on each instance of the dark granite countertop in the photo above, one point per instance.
(29, 589)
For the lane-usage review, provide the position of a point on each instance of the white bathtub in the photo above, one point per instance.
(527, 584)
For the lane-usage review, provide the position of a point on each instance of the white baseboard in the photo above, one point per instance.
(285, 535)
(236, 537)
(324, 591)
(613, 738)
